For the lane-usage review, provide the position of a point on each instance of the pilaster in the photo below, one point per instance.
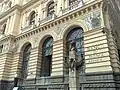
(113, 51)
(33, 63)
(7, 26)
(15, 23)
(57, 59)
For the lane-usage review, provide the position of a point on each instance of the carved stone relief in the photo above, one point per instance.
(36, 40)
(15, 47)
(58, 30)
(93, 19)
(5, 47)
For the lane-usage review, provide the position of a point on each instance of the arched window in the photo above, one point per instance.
(26, 58)
(50, 9)
(4, 27)
(46, 65)
(75, 39)
(32, 18)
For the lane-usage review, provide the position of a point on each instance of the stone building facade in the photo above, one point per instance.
(36, 36)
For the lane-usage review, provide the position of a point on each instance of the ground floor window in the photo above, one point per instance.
(46, 62)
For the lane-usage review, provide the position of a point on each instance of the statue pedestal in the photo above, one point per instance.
(73, 80)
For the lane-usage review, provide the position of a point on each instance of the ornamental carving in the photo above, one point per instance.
(58, 30)
(93, 20)
(14, 47)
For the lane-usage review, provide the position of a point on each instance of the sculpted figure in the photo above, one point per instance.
(72, 57)
(75, 62)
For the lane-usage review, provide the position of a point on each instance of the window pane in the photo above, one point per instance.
(50, 9)
(32, 18)
(76, 36)
(47, 48)
(47, 57)
(26, 58)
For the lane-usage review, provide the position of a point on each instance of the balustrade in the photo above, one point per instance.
(77, 4)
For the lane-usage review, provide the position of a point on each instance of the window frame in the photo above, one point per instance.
(32, 18)
(50, 8)
(45, 64)
(25, 62)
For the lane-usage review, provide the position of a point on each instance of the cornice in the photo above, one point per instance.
(17, 7)
(10, 10)
(7, 38)
(29, 4)
(63, 18)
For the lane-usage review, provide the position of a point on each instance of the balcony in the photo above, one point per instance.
(50, 17)
(73, 6)
(28, 27)
(40, 22)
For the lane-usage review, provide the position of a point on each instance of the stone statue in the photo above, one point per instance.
(93, 20)
(72, 57)
(75, 62)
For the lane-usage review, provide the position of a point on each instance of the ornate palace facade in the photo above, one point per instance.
(36, 38)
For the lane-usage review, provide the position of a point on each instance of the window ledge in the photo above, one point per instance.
(27, 28)
(47, 19)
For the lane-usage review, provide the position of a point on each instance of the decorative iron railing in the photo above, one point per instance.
(50, 17)
(74, 6)
(26, 28)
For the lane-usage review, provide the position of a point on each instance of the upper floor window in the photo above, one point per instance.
(32, 18)
(3, 29)
(1, 48)
(50, 9)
